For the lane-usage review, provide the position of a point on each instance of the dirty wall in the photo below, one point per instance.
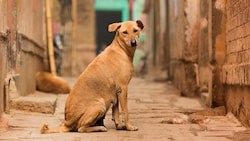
(209, 52)
(236, 69)
(195, 58)
(83, 46)
(218, 44)
(22, 47)
(3, 51)
(192, 54)
(183, 45)
(76, 22)
(154, 18)
(172, 42)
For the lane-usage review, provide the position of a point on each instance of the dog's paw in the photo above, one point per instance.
(121, 127)
(84, 129)
(132, 128)
(103, 129)
(44, 127)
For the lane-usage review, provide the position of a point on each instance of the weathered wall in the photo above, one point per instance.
(83, 47)
(176, 41)
(2, 70)
(22, 47)
(237, 66)
(196, 58)
(209, 48)
(183, 41)
(3, 52)
(218, 45)
(154, 18)
(65, 20)
(78, 27)
(30, 43)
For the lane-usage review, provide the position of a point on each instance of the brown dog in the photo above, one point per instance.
(46, 82)
(103, 83)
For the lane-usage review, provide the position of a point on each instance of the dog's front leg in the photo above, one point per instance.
(124, 105)
(115, 115)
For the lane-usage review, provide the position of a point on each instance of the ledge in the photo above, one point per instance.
(236, 74)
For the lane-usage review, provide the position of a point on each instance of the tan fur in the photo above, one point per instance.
(46, 82)
(103, 83)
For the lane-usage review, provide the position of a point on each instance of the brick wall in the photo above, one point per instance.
(236, 70)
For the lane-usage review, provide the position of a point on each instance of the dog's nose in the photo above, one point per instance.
(133, 43)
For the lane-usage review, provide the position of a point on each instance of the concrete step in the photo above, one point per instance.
(38, 102)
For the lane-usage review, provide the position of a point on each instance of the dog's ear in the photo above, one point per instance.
(140, 24)
(114, 27)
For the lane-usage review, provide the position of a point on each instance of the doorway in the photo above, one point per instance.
(103, 19)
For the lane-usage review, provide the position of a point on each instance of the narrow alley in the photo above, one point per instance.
(190, 59)
(155, 107)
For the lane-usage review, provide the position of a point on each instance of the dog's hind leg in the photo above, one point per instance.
(92, 121)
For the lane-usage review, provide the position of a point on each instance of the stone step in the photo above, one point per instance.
(38, 102)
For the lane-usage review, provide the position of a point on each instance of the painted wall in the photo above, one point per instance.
(115, 5)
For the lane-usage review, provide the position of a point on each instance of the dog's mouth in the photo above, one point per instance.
(133, 43)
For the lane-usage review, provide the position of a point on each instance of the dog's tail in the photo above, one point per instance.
(44, 129)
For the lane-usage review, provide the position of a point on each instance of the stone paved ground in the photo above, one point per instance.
(156, 108)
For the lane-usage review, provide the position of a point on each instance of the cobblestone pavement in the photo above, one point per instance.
(156, 108)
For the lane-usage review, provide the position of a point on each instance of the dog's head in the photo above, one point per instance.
(128, 31)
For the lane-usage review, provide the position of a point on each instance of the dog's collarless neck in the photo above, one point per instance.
(130, 51)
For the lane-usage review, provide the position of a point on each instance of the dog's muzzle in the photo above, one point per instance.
(133, 43)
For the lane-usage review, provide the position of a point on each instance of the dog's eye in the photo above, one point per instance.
(125, 32)
(135, 30)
